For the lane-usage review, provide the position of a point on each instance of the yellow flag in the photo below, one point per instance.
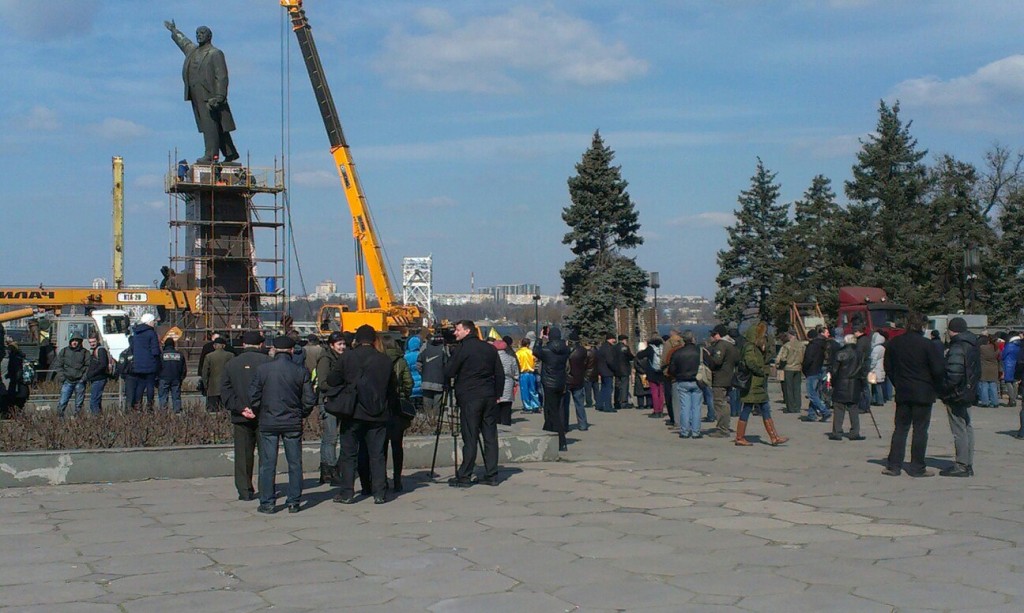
(493, 334)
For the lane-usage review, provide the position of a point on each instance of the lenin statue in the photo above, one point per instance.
(206, 85)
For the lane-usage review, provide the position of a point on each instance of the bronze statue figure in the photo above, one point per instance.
(206, 85)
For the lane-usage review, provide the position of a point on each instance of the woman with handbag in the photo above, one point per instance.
(403, 411)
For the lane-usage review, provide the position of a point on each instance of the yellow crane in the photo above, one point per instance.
(53, 299)
(390, 315)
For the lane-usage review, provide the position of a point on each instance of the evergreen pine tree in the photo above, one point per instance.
(809, 258)
(955, 222)
(602, 223)
(1007, 299)
(886, 192)
(749, 269)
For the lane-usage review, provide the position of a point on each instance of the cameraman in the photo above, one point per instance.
(479, 382)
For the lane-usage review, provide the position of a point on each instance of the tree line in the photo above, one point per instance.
(939, 238)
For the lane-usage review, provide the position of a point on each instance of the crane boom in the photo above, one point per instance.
(179, 300)
(368, 249)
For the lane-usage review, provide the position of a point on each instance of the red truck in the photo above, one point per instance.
(871, 305)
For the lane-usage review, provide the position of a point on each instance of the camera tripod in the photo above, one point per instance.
(448, 413)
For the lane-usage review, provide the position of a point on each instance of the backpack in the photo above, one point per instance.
(28, 373)
(111, 368)
(742, 378)
(125, 364)
(367, 395)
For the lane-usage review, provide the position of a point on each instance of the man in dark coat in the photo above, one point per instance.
(145, 347)
(607, 356)
(213, 372)
(479, 382)
(234, 393)
(553, 354)
(623, 368)
(960, 390)
(369, 374)
(280, 396)
(847, 371)
(724, 356)
(915, 366)
(205, 74)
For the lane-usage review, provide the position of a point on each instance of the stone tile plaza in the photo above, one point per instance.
(630, 519)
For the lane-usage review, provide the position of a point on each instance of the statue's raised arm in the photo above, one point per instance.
(205, 74)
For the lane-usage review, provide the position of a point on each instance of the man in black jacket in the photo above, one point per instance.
(553, 354)
(915, 366)
(479, 382)
(576, 381)
(72, 366)
(281, 395)
(367, 373)
(847, 371)
(607, 356)
(960, 390)
(815, 356)
(234, 391)
(623, 369)
(173, 369)
(430, 364)
(98, 373)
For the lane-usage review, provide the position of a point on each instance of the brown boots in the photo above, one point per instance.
(769, 426)
(741, 431)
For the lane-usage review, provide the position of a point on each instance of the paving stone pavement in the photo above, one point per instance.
(631, 519)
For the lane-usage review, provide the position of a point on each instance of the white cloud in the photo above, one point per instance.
(148, 181)
(42, 119)
(148, 205)
(50, 20)
(493, 54)
(997, 82)
(112, 128)
(842, 146)
(315, 178)
(704, 220)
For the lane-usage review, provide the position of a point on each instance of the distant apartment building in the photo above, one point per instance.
(500, 293)
(324, 290)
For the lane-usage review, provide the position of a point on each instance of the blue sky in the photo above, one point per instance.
(466, 118)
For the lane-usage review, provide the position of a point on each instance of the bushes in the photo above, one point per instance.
(44, 430)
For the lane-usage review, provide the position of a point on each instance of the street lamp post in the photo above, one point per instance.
(536, 314)
(972, 264)
(655, 284)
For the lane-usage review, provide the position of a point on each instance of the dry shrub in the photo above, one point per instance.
(45, 430)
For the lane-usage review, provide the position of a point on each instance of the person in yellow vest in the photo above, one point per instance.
(528, 378)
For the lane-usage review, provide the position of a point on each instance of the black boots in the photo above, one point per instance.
(329, 474)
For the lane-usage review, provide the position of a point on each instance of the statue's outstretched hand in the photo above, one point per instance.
(170, 25)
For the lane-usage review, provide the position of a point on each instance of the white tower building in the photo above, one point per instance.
(418, 283)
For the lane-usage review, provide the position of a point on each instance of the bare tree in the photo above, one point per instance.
(1003, 174)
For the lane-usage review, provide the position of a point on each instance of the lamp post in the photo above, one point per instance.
(655, 284)
(972, 264)
(536, 313)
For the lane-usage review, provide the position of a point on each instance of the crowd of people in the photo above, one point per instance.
(367, 388)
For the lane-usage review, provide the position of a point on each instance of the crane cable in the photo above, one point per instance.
(286, 150)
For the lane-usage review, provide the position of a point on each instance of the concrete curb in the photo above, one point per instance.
(29, 468)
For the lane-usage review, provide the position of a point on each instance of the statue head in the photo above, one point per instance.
(203, 35)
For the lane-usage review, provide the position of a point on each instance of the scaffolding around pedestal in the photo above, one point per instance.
(227, 240)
